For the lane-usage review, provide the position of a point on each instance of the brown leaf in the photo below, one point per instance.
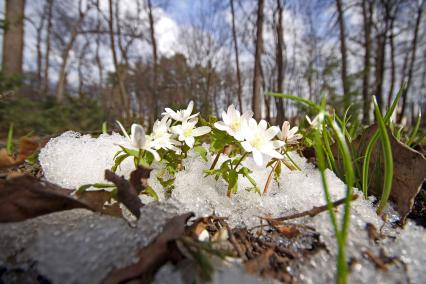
(27, 146)
(290, 231)
(26, 197)
(409, 171)
(155, 255)
(139, 178)
(126, 193)
(260, 263)
(372, 232)
(96, 198)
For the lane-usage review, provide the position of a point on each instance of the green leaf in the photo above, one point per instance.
(9, 143)
(232, 182)
(85, 187)
(147, 159)
(200, 150)
(387, 151)
(295, 98)
(104, 127)
(130, 152)
(415, 130)
(150, 192)
(117, 162)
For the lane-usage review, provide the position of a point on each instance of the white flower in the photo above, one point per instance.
(258, 140)
(139, 140)
(317, 121)
(187, 131)
(161, 136)
(289, 136)
(183, 114)
(233, 122)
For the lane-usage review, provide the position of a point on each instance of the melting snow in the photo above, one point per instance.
(81, 241)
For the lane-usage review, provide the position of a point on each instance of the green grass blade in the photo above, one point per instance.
(104, 127)
(295, 98)
(394, 104)
(415, 130)
(387, 151)
(9, 142)
(373, 140)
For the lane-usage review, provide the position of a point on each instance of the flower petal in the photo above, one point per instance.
(221, 126)
(247, 146)
(258, 158)
(137, 135)
(190, 141)
(271, 132)
(172, 113)
(154, 153)
(199, 131)
(263, 124)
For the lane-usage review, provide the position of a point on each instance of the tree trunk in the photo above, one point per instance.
(237, 60)
(367, 13)
(47, 52)
(65, 55)
(343, 52)
(257, 77)
(393, 66)
(154, 59)
(122, 89)
(413, 58)
(13, 38)
(280, 63)
(39, 33)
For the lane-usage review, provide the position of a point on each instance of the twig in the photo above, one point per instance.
(268, 182)
(311, 213)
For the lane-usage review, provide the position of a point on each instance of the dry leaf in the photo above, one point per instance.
(96, 199)
(409, 171)
(139, 178)
(155, 255)
(26, 197)
(290, 231)
(126, 193)
(27, 146)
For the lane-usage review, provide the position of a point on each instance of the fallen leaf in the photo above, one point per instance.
(126, 193)
(290, 231)
(373, 233)
(27, 146)
(409, 171)
(96, 199)
(139, 178)
(155, 255)
(26, 197)
(260, 263)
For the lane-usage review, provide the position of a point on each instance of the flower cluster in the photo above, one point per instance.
(257, 138)
(237, 136)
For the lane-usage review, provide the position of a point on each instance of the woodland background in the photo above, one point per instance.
(74, 64)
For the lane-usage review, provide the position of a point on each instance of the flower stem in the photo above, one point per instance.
(138, 159)
(268, 181)
(241, 159)
(216, 159)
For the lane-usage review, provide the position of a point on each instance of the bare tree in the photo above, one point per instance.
(154, 57)
(367, 14)
(118, 71)
(257, 77)
(280, 61)
(409, 78)
(67, 49)
(13, 38)
(237, 61)
(343, 53)
(48, 46)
